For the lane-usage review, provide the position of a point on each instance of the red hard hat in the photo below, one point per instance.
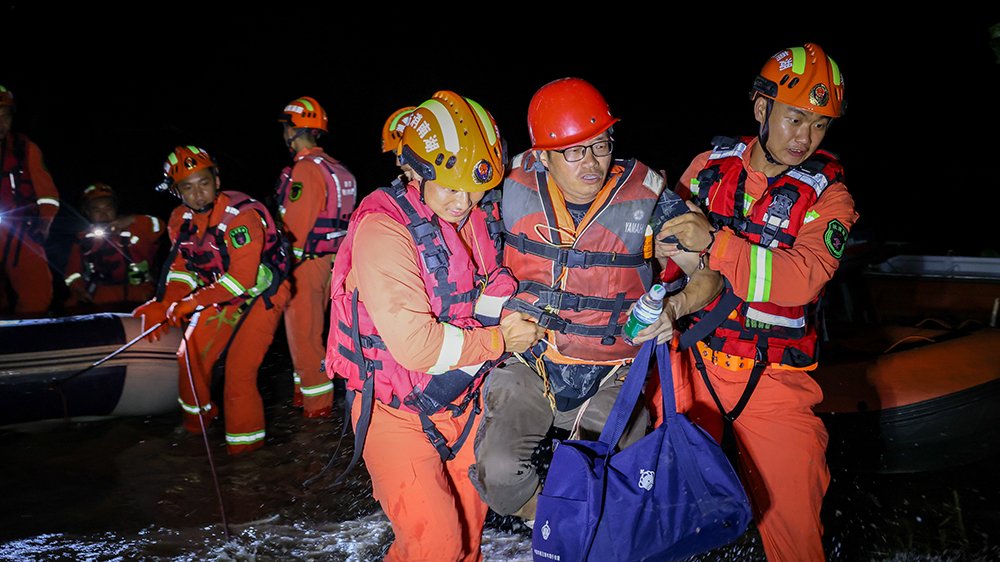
(566, 112)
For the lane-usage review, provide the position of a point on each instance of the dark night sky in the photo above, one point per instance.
(107, 102)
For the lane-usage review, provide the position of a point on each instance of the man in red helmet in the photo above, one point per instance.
(778, 216)
(578, 239)
(316, 197)
(28, 203)
(109, 268)
(226, 267)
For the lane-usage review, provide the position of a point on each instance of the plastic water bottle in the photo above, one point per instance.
(645, 312)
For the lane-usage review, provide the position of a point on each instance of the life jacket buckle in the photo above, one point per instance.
(550, 321)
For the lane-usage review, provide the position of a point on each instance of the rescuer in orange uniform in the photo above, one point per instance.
(392, 132)
(778, 221)
(111, 266)
(579, 229)
(417, 295)
(227, 267)
(28, 203)
(316, 198)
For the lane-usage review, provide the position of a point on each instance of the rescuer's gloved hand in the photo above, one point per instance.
(180, 310)
(153, 313)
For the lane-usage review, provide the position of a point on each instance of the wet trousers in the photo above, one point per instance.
(517, 416)
(782, 449)
(436, 513)
(304, 318)
(206, 338)
(26, 267)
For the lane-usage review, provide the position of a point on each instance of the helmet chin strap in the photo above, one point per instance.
(206, 209)
(764, 130)
(288, 142)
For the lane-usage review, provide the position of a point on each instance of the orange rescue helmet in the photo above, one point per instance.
(304, 113)
(566, 112)
(182, 162)
(6, 97)
(96, 191)
(453, 142)
(803, 77)
(392, 131)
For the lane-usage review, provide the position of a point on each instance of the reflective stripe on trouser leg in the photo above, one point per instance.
(244, 407)
(200, 350)
(304, 318)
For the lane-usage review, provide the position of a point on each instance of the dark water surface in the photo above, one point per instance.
(139, 489)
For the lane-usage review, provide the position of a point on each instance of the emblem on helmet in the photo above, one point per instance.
(189, 163)
(483, 172)
(819, 95)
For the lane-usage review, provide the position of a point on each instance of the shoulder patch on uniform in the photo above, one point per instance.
(295, 192)
(239, 236)
(835, 238)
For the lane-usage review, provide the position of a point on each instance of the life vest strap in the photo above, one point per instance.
(549, 298)
(551, 321)
(571, 257)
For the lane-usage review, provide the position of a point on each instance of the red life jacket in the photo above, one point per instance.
(455, 288)
(787, 334)
(106, 258)
(17, 192)
(208, 256)
(331, 224)
(582, 292)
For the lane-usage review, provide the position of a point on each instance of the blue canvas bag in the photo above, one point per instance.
(670, 495)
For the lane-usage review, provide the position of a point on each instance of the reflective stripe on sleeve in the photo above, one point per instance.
(451, 349)
(48, 201)
(760, 275)
(232, 285)
(188, 278)
(491, 306)
(71, 278)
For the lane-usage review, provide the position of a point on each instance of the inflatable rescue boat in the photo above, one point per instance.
(913, 399)
(38, 359)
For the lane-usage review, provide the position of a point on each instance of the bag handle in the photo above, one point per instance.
(629, 393)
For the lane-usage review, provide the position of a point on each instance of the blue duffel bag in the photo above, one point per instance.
(670, 495)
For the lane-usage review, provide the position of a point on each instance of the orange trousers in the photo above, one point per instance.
(436, 513)
(27, 269)
(782, 448)
(304, 318)
(206, 338)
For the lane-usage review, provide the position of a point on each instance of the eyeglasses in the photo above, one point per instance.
(576, 153)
